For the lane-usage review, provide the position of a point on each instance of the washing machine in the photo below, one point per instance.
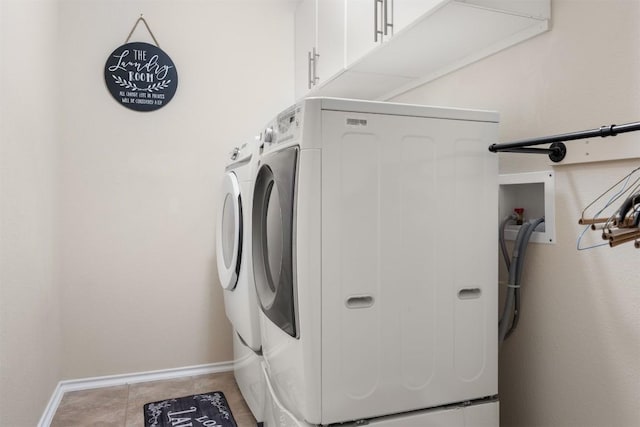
(374, 261)
(235, 271)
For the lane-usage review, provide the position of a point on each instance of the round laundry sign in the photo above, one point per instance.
(141, 76)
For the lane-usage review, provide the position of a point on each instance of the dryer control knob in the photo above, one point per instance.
(268, 135)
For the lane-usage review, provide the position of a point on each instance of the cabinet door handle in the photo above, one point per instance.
(316, 56)
(377, 17)
(312, 70)
(388, 16)
(309, 80)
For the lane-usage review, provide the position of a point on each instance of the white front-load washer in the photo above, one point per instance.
(235, 271)
(374, 259)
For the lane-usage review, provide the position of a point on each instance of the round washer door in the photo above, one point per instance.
(229, 232)
(272, 238)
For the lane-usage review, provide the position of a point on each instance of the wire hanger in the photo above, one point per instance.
(618, 226)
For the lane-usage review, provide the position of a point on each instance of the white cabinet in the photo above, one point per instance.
(362, 32)
(319, 42)
(405, 12)
(372, 22)
(376, 49)
(330, 38)
(305, 44)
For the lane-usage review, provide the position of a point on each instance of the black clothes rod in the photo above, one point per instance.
(557, 150)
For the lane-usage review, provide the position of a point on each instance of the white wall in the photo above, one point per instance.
(139, 191)
(124, 202)
(573, 361)
(107, 215)
(30, 336)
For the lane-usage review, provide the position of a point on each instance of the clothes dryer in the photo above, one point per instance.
(374, 259)
(233, 253)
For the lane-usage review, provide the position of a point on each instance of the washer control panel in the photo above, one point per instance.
(288, 121)
(284, 128)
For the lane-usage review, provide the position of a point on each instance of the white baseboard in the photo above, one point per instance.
(52, 407)
(122, 379)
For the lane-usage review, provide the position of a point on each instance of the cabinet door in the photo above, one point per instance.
(371, 22)
(330, 38)
(361, 28)
(401, 13)
(305, 41)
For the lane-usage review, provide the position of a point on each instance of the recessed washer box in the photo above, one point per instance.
(535, 193)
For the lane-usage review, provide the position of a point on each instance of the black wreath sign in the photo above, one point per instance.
(141, 76)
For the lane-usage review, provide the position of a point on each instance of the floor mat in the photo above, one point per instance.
(208, 410)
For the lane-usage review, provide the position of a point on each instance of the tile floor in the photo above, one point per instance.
(121, 406)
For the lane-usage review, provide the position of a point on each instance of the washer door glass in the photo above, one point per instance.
(273, 230)
(272, 227)
(229, 232)
(267, 237)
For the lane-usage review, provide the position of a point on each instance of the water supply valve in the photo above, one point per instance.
(520, 215)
